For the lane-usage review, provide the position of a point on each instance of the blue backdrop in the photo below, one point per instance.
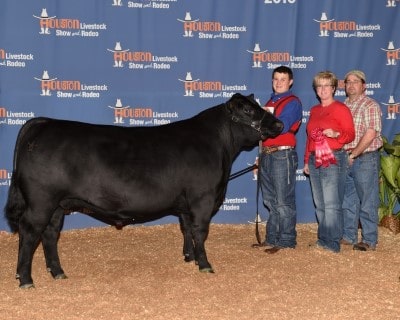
(151, 62)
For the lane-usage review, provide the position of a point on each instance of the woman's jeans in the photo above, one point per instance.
(361, 199)
(278, 181)
(327, 185)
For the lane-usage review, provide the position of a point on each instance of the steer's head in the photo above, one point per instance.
(246, 111)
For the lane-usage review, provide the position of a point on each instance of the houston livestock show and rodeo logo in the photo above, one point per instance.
(273, 59)
(67, 27)
(330, 27)
(209, 29)
(209, 88)
(140, 115)
(140, 59)
(68, 88)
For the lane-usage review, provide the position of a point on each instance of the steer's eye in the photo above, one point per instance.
(248, 111)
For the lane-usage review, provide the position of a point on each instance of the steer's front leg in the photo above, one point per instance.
(50, 238)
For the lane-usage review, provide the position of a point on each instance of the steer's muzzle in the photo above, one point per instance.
(271, 128)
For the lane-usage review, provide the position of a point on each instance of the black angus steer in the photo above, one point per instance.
(127, 175)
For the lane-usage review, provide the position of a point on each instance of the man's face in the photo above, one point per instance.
(281, 82)
(354, 86)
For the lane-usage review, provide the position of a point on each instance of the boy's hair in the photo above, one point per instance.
(283, 69)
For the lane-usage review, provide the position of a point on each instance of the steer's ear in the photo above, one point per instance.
(251, 98)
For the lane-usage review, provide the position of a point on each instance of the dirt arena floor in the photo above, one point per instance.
(139, 273)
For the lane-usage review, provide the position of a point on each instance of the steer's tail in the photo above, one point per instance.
(15, 205)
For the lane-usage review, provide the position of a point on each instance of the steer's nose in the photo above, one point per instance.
(279, 126)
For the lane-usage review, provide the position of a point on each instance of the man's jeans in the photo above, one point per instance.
(278, 179)
(361, 200)
(327, 185)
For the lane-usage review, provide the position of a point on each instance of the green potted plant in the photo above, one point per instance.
(389, 184)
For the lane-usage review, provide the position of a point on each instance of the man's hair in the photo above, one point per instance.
(283, 69)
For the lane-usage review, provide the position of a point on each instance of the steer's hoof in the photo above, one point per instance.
(60, 276)
(27, 286)
(207, 270)
(189, 257)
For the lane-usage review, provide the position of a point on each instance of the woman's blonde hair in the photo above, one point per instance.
(328, 75)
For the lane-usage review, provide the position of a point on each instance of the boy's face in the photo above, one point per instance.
(281, 82)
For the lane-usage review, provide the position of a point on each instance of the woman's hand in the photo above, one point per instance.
(330, 133)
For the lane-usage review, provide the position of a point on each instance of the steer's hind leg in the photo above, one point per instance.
(186, 227)
(50, 238)
(29, 238)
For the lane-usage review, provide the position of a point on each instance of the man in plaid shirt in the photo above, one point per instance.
(361, 200)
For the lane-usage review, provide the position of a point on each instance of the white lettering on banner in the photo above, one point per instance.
(61, 94)
(235, 200)
(364, 34)
(290, 65)
(161, 121)
(19, 56)
(95, 87)
(234, 29)
(132, 4)
(161, 66)
(135, 122)
(81, 94)
(297, 65)
(89, 33)
(230, 35)
(206, 94)
(160, 5)
(232, 204)
(227, 94)
(165, 114)
(340, 34)
(101, 26)
(302, 58)
(90, 94)
(17, 121)
(368, 27)
(165, 59)
(11, 114)
(63, 33)
(301, 177)
(155, 4)
(133, 65)
(340, 93)
(279, 1)
(18, 64)
(230, 207)
(234, 87)
(376, 85)
(203, 35)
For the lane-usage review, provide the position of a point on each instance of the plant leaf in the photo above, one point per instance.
(394, 147)
(390, 166)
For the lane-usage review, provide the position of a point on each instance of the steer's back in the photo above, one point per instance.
(143, 170)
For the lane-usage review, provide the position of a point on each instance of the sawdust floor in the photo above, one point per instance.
(139, 273)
